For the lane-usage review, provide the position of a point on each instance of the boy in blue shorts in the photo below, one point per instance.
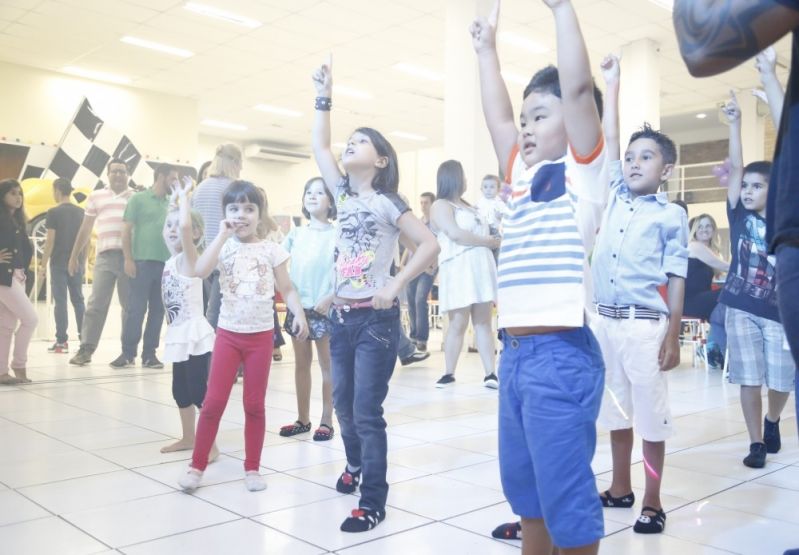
(551, 371)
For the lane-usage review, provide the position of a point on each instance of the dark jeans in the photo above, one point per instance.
(145, 296)
(718, 331)
(404, 346)
(787, 287)
(61, 283)
(363, 349)
(418, 291)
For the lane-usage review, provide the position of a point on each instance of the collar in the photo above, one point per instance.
(661, 198)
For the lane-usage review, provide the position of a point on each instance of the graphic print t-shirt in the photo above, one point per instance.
(751, 282)
(366, 240)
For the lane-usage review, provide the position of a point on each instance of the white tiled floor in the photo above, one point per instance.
(81, 471)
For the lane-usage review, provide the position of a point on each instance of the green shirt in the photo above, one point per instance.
(147, 213)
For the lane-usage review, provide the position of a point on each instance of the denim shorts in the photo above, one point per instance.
(550, 390)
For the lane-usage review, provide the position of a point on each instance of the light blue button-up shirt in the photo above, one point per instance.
(642, 241)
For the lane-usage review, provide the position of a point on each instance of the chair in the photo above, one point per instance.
(693, 331)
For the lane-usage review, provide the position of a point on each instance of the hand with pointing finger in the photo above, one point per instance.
(323, 78)
(484, 30)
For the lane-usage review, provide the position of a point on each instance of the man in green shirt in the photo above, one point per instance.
(145, 253)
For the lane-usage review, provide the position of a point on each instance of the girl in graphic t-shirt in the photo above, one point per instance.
(365, 312)
(249, 271)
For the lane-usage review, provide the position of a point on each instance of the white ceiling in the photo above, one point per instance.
(235, 68)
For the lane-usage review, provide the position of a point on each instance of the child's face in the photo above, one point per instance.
(490, 188)
(705, 230)
(644, 167)
(361, 153)
(171, 232)
(542, 133)
(13, 199)
(316, 201)
(245, 216)
(754, 191)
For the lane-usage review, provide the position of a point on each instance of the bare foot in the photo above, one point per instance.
(181, 445)
(213, 454)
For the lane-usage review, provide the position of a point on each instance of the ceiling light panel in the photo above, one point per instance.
(151, 45)
(222, 15)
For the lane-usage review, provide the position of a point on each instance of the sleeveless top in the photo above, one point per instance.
(699, 278)
(468, 219)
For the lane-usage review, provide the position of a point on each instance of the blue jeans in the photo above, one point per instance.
(788, 300)
(718, 330)
(145, 296)
(363, 350)
(61, 283)
(418, 291)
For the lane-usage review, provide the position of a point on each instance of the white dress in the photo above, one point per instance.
(187, 330)
(467, 274)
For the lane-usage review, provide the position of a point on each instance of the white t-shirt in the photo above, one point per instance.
(492, 210)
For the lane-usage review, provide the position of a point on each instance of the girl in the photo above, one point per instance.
(311, 248)
(269, 229)
(365, 310)
(189, 337)
(16, 252)
(249, 271)
(467, 273)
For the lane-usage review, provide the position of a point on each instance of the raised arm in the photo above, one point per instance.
(190, 254)
(610, 121)
(320, 136)
(716, 35)
(733, 114)
(703, 253)
(81, 239)
(210, 256)
(580, 114)
(766, 63)
(497, 107)
(443, 217)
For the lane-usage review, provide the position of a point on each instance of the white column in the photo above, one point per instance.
(639, 96)
(753, 127)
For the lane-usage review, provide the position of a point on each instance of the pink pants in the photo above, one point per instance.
(230, 350)
(14, 307)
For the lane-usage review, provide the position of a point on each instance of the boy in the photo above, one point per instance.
(547, 432)
(62, 223)
(642, 244)
(756, 339)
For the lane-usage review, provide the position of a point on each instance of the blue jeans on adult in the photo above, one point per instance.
(145, 297)
(787, 286)
(418, 291)
(363, 350)
(62, 283)
(718, 331)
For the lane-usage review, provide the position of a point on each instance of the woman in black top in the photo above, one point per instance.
(16, 252)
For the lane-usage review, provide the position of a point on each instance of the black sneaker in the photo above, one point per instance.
(771, 435)
(757, 456)
(59, 348)
(151, 362)
(491, 381)
(348, 481)
(421, 346)
(445, 380)
(121, 362)
(81, 358)
(362, 520)
(417, 356)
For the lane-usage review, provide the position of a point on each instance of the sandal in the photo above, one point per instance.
(623, 502)
(277, 357)
(294, 429)
(508, 531)
(650, 524)
(323, 433)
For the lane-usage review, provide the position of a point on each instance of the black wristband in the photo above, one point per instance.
(324, 103)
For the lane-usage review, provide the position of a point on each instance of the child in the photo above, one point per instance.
(311, 248)
(62, 225)
(642, 244)
(491, 207)
(249, 271)
(365, 312)
(189, 337)
(556, 164)
(755, 338)
(16, 252)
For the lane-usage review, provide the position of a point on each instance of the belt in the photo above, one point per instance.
(624, 312)
(347, 307)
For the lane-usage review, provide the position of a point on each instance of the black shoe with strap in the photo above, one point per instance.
(650, 524)
(348, 481)
(508, 531)
(362, 520)
(623, 502)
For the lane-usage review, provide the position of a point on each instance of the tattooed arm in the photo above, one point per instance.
(717, 35)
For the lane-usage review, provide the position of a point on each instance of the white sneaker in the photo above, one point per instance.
(190, 481)
(254, 481)
(491, 381)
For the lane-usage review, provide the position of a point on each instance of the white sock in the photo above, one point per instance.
(190, 481)
(353, 469)
(254, 481)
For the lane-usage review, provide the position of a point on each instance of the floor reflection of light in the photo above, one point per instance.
(616, 402)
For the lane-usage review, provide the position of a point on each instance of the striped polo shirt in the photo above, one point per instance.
(555, 212)
(108, 208)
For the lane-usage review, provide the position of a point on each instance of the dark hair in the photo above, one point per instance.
(331, 211)
(547, 80)
(244, 191)
(450, 180)
(387, 179)
(202, 169)
(429, 195)
(18, 217)
(163, 169)
(666, 145)
(763, 167)
(681, 204)
(117, 161)
(63, 186)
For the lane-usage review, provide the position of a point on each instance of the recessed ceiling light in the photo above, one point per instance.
(216, 13)
(224, 125)
(279, 110)
(409, 136)
(701, 116)
(522, 42)
(97, 75)
(181, 52)
(354, 93)
(515, 78)
(419, 71)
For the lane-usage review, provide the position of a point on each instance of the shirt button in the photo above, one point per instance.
(614, 256)
(611, 281)
(621, 231)
(631, 209)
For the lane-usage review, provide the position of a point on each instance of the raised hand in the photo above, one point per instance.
(766, 61)
(227, 228)
(323, 78)
(761, 94)
(611, 70)
(731, 110)
(484, 30)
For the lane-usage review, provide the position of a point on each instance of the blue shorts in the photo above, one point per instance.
(550, 391)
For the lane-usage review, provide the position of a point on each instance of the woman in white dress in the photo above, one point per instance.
(467, 280)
